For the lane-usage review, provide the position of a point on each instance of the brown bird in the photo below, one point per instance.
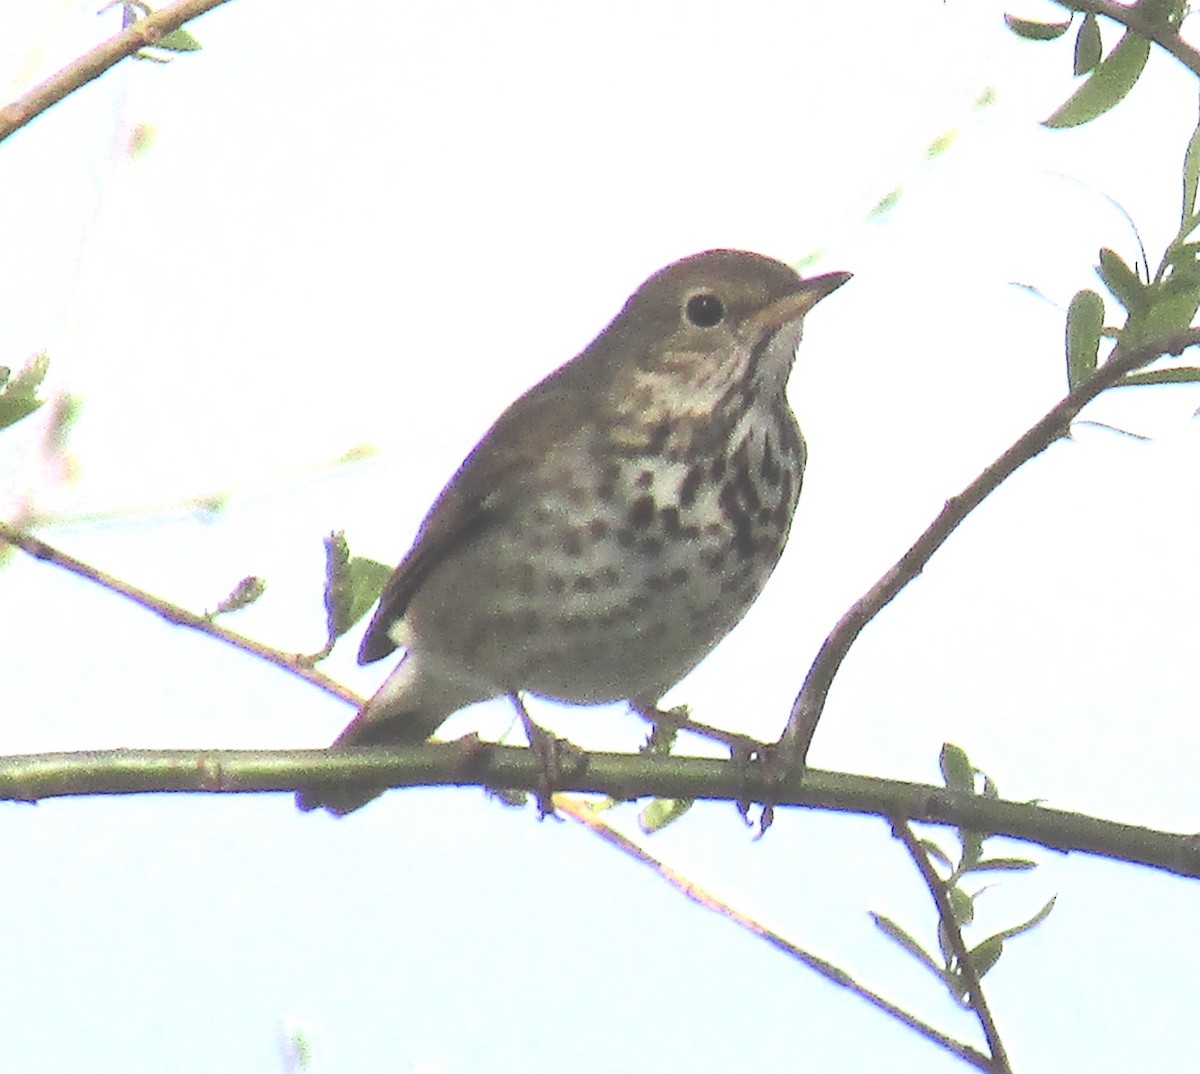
(617, 520)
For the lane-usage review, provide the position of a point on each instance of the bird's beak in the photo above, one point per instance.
(799, 302)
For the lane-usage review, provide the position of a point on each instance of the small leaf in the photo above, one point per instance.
(1106, 86)
(962, 905)
(352, 585)
(957, 772)
(1182, 374)
(986, 954)
(889, 928)
(245, 593)
(1088, 46)
(660, 812)
(1085, 322)
(18, 392)
(1191, 177)
(178, 40)
(1025, 926)
(1036, 31)
(934, 851)
(1122, 281)
(1008, 865)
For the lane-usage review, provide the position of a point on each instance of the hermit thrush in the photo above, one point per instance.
(617, 520)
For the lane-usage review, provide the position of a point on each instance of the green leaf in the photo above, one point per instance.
(18, 392)
(1181, 374)
(1085, 322)
(986, 954)
(1191, 177)
(660, 812)
(1009, 865)
(889, 928)
(352, 585)
(1106, 86)
(961, 904)
(957, 771)
(1025, 926)
(178, 41)
(1122, 281)
(1036, 31)
(1088, 46)
(934, 851)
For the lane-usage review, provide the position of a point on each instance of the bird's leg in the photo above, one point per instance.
(745, 752)
(549, 750)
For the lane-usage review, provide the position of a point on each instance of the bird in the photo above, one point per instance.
(616, 521)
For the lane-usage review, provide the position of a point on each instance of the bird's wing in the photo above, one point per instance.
(502, 468)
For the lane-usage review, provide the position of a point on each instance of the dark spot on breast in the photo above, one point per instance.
(555, 583)
(608, 577)
(585, 583)
(656, 583)
(625, 538)
(528, 622)
(572, 541)
(668, 518)
(714, 558)
(678, 576)
(651, 546)
(639, 603)
(765, 514)
(743, 535)
(641, 513)
(690, 486)
(645, 479)
(598, 529)
(607, 487)
(746, 489)
(658, 437)
(718, 468)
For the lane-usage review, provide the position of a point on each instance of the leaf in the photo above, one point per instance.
(889, 928)
(660, 812)
(18, 392)
(1122, 281)
(1085, 322)
(1191, 177)
(934, 851)
(1106, 86)
(352, 585)
(986, 954)
(1036, 31)
(178, 40)
(957, 772)
(961, 904)
(245, 593)
(1181, 374)
(1008, 865)
(1025, 926)
(1088, 46)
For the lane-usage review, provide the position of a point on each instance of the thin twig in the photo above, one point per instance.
(810, 702)
(587, 815)
(173, 613)
(143, 33)
(1162, 33)
(970, 978)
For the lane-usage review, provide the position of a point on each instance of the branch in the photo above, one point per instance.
(966, 964)
(173, 613)
(1162, 33)
(590, 817)
(469, 762)
(141, 34)
(810, 703)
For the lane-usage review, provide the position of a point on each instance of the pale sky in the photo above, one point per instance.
(375, 224)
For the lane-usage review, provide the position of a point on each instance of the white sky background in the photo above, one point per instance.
(376, 224)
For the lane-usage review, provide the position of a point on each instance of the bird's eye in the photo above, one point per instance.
(705, 310)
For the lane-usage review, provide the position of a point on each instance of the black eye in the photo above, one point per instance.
(705, 310)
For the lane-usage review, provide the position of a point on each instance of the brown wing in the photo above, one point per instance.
(501, 469)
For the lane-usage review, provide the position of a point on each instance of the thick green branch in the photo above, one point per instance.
(471, 763)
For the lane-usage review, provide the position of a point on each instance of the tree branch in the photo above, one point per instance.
(810, 702)
(966, 965)
(173, 613)
(469, 762)
(141, 34)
